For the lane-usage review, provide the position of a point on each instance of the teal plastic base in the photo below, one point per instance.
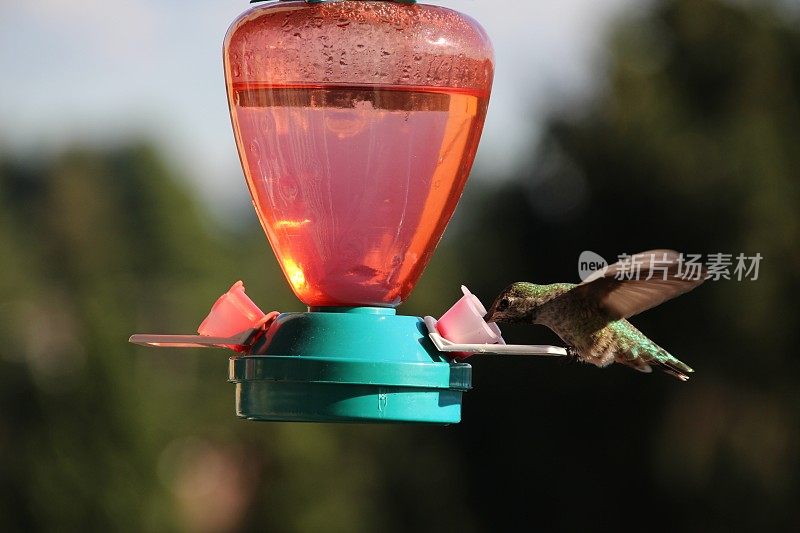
(360, 364)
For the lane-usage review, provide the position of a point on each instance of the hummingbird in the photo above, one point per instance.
(591, 317)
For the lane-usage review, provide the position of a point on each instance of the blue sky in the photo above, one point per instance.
(102, 71)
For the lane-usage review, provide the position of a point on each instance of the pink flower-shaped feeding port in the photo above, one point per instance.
(463, 323)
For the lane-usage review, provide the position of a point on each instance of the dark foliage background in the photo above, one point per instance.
(692, 143)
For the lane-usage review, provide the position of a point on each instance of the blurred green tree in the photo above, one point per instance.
(96, 434)
(691, 143)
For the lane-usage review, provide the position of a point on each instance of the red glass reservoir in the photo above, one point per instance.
(357, 123)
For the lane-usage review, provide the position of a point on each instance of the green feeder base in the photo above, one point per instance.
(359, 364)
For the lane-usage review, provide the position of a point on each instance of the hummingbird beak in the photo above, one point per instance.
(490, 314)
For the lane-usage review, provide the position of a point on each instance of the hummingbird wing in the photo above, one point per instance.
(637, 284)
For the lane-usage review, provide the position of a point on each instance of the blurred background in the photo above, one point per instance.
(614, 126)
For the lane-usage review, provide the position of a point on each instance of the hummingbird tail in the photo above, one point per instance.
(673, 366)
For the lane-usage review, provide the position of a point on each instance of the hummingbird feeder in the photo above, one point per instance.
(356, 123)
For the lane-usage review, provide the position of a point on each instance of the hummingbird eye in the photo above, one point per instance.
(502, 305)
